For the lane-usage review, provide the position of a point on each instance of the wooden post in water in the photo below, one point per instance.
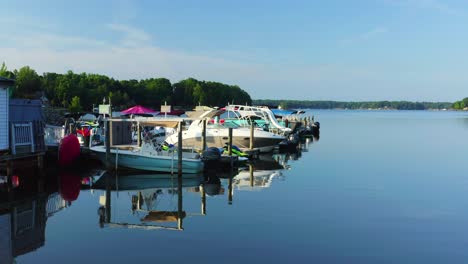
(251, 170)
(203, 200)
(179, 203)
(9, 168)
(230, 142)
(252, 135)
(179, 150)
(9, 172)
(204, 135)
(139, 134)
(40, 162)
(230, 191)
(108, 198)
(108, 139)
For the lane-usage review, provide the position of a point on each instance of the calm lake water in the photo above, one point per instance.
(378, 187)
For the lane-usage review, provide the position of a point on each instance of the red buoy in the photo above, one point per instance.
(69, 150)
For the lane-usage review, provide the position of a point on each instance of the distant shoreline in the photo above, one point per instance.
(364, 105)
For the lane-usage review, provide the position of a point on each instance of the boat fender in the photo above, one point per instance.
(69, 150)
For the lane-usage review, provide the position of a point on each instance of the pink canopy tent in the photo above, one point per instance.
(138, 109)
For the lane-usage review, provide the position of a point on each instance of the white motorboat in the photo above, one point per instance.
(217, 134)
(261, 116)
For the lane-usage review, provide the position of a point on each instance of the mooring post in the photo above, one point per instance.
(179, 204)
(252, 135)
(230, 191)
(203, 200)
(108, 198)
(204, 135)
(108, 139)
(251, 170)
(40, 161)
(230, 142)
(9, 172)
(179, 150)
(139, 134)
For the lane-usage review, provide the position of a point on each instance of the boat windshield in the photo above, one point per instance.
(231, 125)
(224, 125)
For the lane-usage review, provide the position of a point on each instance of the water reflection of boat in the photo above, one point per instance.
(147, 192)
(255, 179)
(266, 162)
(145, 181)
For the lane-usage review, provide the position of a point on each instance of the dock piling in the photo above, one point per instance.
(251, 171)
(139, 134)
(107, 130)
(179, 204)
(203, 200)
(230, 190)
(230, 148)
(252, 135)
(204, 135)
(179, 150)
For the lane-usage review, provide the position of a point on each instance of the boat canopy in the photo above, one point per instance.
(138, 109)
(284, 112)
(163, 216)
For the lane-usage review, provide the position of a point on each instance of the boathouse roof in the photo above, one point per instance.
(6, 81)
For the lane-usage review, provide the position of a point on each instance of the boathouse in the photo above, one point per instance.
(5, 85)
(21, 125)
(27, 127)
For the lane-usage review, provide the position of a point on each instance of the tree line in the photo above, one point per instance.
(461, 105)
(81, 91)
(397, 105)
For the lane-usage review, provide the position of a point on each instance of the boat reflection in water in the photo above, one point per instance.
(154, 200)
(259, 174)
(256, 175)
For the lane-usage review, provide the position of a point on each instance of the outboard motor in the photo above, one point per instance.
(316, 128)
(211, 154)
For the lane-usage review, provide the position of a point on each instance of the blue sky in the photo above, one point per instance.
(309, 50)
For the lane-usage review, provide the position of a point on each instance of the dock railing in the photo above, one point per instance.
(22, 135)
(55, 203)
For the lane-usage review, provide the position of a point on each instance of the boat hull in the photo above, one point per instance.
(149, 163)
(219, 139)
(262, 144)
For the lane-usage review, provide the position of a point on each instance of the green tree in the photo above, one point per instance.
(283, 105)
(4, 72)
(75, 105)
(28, 83)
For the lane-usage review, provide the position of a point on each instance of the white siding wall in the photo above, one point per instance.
(4, 131)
